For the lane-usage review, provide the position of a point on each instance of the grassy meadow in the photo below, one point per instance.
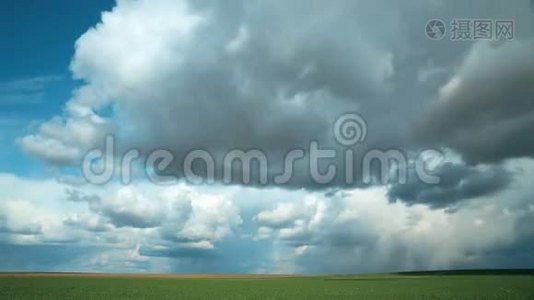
(386, 286)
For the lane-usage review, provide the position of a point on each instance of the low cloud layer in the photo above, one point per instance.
(214, 229)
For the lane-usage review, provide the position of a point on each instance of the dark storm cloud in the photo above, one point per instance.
(486, 111)
(457, 182)
(229, 83)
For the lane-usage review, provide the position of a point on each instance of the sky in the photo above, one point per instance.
(200, 136)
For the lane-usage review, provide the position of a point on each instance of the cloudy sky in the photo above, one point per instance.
(178, 76)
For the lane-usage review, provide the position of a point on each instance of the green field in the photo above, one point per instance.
(395, 286)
